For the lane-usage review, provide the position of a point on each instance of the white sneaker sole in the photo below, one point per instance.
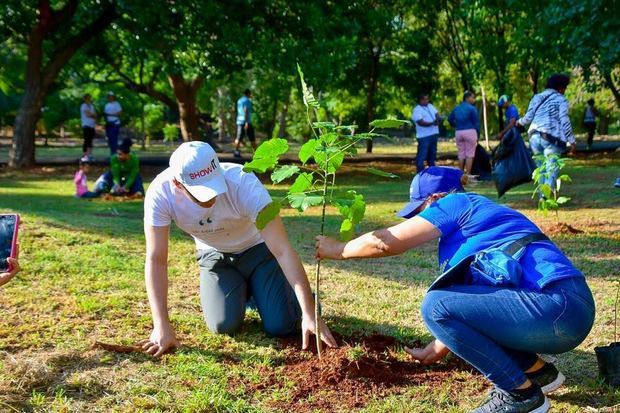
(542, 409)
(554, 385)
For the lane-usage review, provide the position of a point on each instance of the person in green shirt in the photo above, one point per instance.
(123, 178)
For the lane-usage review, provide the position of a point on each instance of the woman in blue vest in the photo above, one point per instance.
(497, 325)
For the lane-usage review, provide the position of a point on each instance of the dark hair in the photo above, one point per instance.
(86, 95)
(590, 101)
(558, 81)
(247, 92)
(125, 145)
(83, 162)
(422, 96)
(468, 94)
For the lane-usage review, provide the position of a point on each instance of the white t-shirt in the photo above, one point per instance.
(228, 226)
(112, 107)
(426, 113)
(86, 108)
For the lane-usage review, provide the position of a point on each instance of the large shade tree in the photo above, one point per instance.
(52, 33)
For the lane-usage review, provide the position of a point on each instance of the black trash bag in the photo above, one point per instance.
(514, 165)
(482, 164)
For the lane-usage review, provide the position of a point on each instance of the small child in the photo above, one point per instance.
(81, 187)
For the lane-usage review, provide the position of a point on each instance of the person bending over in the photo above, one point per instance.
(498, 326)
(217, 204)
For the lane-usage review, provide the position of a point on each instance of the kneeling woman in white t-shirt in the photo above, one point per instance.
(217, 204)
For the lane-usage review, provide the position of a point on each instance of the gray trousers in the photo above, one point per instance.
(228, 281)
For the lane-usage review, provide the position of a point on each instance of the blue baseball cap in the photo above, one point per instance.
(433, 180)
(503, 99)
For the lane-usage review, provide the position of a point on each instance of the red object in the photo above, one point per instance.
(9, 236)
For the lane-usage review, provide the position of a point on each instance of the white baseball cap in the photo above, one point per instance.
(195, 165)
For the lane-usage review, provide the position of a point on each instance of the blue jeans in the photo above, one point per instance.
(105, 183)
(427, 151)
(111, 131)
(499, 330)
(540, 146)
(228, 281)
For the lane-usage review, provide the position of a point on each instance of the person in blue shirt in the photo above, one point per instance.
(244, 121)
(498, 328)
(464, 118)
(512, 113)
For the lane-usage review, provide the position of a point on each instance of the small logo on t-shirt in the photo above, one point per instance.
(201, 222)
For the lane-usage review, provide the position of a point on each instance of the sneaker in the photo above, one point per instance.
(548, 378)
(501, 401)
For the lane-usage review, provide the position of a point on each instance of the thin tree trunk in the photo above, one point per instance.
(272, 121)
(221, 113)
(185, 93)
(609, 81)
(22, 150)
(282, 117)
(372, 90)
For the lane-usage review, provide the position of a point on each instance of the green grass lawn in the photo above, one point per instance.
(82, 281)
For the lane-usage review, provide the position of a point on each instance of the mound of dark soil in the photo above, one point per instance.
(561, 228)
(348, 376)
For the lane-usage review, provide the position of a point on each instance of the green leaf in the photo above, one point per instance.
(565, 178)
(301, 201)
(266, 155)
(546, 190)
(308, 97)
(379, 172)
(346, 230)
(324, 125)
(267, 214)
(563, 199)
(333, 155)
(302, 183)
(271, 148)
(349, 128)
(284, 172)
(388, 123)
(358, 209)
(329, 138)
(307, 150)
(260, 165)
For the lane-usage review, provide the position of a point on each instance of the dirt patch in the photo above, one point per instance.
(561, 228)
(348, 377)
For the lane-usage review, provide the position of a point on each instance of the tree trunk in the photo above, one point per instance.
(609, 81)
(282, 117)
(373, 78)
(185, 93)
(221, 113)
(272, 120)
(39, 78)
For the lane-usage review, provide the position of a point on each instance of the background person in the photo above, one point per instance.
(244, 121)
(589, 120)
(88, 118)
(498, 329)
(113, 112)
(512, 114)
(426, 119)
(123, 178)
(80, 180)
(550, 129)
(464, 118)
(217, 204)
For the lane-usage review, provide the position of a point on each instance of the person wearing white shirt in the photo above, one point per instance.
(426, 119)
(218, 204)
(88, 118)
(112, 111)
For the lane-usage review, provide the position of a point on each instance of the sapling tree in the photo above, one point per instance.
(315, 179)
(549, 195)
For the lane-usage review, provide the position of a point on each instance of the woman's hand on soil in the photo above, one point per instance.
(308, 329)
(327, 247)
(430, 354)
(160, 341)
